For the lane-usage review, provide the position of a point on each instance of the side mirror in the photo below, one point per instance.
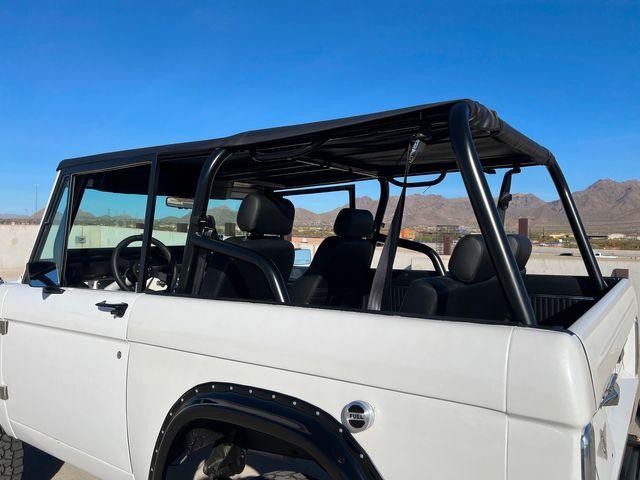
(42, 273)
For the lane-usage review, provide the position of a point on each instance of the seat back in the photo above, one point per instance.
(266, 219)
(471, 288)
(338, 274)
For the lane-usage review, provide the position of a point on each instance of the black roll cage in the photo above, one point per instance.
(484, 206)
(461, 116)
(423, 248)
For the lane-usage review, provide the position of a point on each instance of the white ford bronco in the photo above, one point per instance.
(161, 329)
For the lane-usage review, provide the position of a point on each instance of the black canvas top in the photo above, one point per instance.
(345, 149)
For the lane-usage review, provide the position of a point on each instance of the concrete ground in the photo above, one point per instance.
(40, 466)
(45, 467)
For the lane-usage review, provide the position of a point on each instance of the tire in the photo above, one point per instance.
(11, 457)
(631, 464)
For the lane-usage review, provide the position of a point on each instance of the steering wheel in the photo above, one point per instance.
(129, 270)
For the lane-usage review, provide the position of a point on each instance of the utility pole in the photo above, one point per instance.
(36, 211)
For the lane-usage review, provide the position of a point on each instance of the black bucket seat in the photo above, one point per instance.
(470, 289)
(339, 272)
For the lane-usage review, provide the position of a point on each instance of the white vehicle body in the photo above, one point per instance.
(452, 399)
(443, 390)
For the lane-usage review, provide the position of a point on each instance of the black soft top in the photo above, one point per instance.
(345, 149)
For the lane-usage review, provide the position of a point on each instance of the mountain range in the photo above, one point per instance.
(606, 206)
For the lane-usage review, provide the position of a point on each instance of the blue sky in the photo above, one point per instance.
(85, 77)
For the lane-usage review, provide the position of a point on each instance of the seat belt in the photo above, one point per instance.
(382, 278)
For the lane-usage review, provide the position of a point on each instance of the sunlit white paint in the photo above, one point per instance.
(608, 332)
(65, 362)
(510, 401)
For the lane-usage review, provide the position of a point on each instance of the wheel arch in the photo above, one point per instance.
(269, 413)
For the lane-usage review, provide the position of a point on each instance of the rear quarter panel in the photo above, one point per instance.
(453, 399)
(604, 330)
(609, 334)
(438, 388)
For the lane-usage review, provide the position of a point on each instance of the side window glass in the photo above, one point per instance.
(111, 207)
(106, 218)
(46, 269)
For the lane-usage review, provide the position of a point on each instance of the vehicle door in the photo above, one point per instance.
(65, 355)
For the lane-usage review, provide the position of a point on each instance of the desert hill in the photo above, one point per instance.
(605, 206)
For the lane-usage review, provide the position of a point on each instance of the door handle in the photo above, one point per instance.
(52, 290)
(115, 309)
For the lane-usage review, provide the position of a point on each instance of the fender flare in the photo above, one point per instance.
(290, 419)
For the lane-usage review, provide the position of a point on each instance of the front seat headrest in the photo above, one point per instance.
(353, 223)
(470, 261)
(266, 215)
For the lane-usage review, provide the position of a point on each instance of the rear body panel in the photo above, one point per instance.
(434, 385)
(609, 334)
(498, 396)
(549, 400)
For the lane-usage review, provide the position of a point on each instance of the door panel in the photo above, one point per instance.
(4, 417)
(65, 363)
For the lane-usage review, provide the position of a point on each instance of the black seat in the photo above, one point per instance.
(471, 288)
(338, 274)
(266, 219)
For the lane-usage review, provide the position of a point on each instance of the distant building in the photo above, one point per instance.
(408, 233)
(446, 238)
(616, 236)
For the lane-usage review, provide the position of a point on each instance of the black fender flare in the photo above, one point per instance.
(287, 418)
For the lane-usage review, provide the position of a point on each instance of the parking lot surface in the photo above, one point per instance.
(40, 466)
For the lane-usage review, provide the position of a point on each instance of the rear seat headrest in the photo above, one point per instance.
(353, 223)
(523, 249)
(470, 261)
(266, 215)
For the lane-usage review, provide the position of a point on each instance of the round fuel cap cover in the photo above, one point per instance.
(357, 416)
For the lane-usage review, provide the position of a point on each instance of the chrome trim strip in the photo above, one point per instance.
(588, 454)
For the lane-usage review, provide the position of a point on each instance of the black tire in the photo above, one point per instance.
(631, 464)
(11, 457)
